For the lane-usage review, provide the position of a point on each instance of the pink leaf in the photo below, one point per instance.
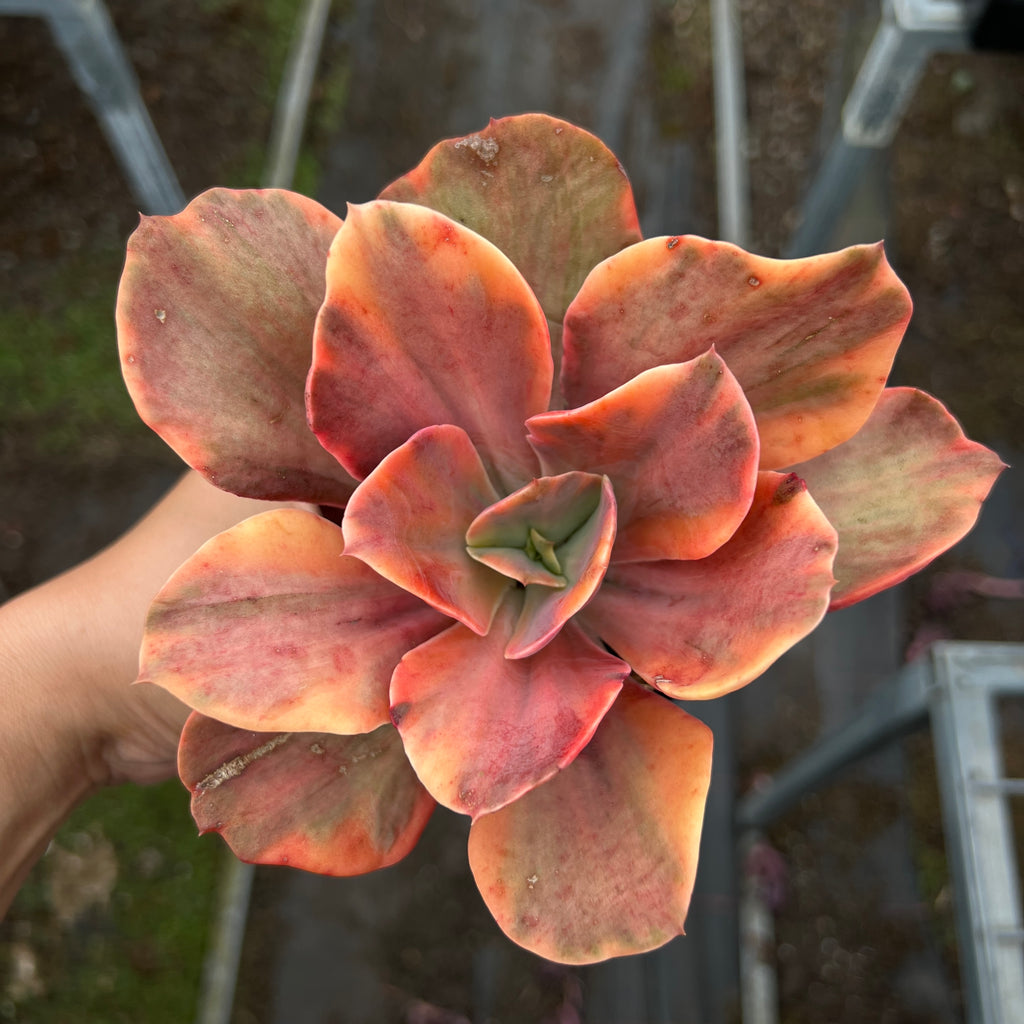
(680, 447)
(270, 626)
(215, 318)
(337, 805)
(698, 629)
(901, 491)
(600, 861)
(551, 196)
(811, 341)
(425, 323)
(480, 730)
(408, 520)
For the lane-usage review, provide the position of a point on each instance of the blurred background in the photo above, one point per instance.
(116, 921)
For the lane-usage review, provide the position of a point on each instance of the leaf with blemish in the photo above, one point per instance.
(551, 196)
(480, 730)
(600, 860)
(901, 491)
(811, 341)
(271, 626)
(215, 316)
(698, 629)
(408, 521)
(680, 448)
(337, 805)
(425, 322)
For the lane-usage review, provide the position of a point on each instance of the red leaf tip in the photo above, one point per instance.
(789, 488)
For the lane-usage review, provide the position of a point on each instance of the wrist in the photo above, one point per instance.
(50, 760)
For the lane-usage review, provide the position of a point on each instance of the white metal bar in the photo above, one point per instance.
(759, 991)
(730, 124)
(909, 33)
(293, 96)
(979, 838)
(86, 36)
(892, 710)
(220, 966)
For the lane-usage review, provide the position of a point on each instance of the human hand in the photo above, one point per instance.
(68, 655)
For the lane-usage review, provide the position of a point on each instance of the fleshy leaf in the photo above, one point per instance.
(901, 491)
(408, 521)
(551, 196)
(520, 535)
(680, 447)
(516, 564)
(215, 317)
(703, 628)
(811, 341)
(425, 322)
(336, 805)
(480, 730)
(583, 558)
(270, 626)
(600, 861)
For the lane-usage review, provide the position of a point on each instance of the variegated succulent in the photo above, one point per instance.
(584, 476)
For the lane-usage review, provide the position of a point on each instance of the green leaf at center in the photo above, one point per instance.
(554, 536)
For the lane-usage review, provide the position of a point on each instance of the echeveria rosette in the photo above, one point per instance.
(515, 585)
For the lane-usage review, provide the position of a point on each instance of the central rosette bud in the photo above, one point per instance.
(554, 536)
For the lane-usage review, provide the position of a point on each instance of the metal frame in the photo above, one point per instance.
(909, 33)
(956, 688)
(86, 36)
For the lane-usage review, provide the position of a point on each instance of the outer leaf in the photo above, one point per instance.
(901, 491)
(337, 805)
(601, 860)
(270, 626)
(551, 196)
(680, 447)
(215, 317)
(700, 629)
(425, 322)
(408, 520)
(481, 731)
(811, 341)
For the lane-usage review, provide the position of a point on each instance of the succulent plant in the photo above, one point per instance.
(579, 476)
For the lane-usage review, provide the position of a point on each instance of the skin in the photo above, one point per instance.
(72, 723)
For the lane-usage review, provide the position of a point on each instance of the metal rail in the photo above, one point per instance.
(909, 33)
(957, 689)
(87, 38)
